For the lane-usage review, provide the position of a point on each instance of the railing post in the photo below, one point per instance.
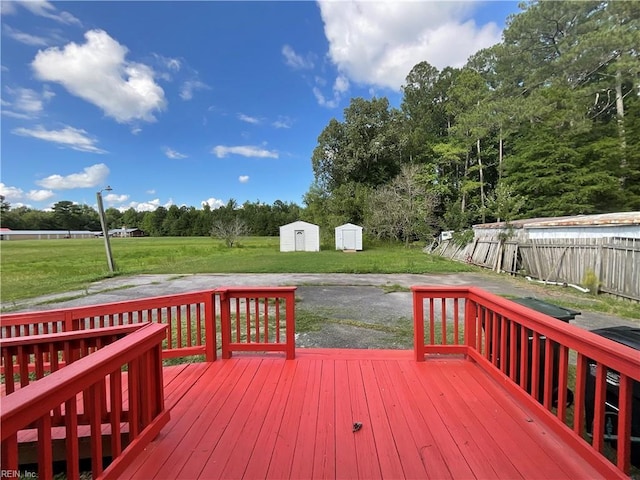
(418, 326)
(225, 321)
(210, 327)
(68, 325)
(291, 325)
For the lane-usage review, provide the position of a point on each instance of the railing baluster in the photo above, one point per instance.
(513, 357)
(563, 361)
(456, 321)
(277, 320)
(71, 439)
(432, 327)
(45, 454)
(599, 407)
(624, 423)
(535, 366)
(188, 308)
(443, 315)
(178, 326)
(503, 344)
(548, 373)
(582, 370)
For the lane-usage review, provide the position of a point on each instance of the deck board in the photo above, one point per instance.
(264, 417)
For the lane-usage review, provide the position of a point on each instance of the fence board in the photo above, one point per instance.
(615, 262)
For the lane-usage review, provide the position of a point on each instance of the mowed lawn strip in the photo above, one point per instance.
(31, 268)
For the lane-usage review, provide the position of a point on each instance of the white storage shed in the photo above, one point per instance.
(300, 237)
(349, 237)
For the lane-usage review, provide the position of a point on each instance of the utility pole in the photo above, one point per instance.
(105, 231)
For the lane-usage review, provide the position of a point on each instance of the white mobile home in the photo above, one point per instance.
(300, 237)
(349, 237)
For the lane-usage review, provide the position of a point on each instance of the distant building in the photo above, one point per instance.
(349, 237)
(604, 225)
(300, 237)
(8, 234)
(126, 232)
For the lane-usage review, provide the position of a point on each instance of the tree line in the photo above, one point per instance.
(259, 218)
(545, 123)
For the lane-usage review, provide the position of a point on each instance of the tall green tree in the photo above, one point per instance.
(68, 215)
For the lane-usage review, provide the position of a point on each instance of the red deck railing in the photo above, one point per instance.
(535, 357)
(137, 410)
(26, 359)
(258, 319)
(193, 320)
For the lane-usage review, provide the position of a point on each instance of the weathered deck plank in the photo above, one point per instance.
(264, 417)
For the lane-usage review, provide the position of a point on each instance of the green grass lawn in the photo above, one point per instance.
(32, 268)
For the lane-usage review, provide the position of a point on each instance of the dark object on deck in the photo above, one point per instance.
(559, 313)
(356, 426)
(555, 311)
(631, 338)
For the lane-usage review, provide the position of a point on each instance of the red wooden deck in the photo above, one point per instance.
(264, 417)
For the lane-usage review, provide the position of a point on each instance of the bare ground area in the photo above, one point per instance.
(333, 310)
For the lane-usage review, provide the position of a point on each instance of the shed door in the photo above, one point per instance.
(299, 234)
(349, 239)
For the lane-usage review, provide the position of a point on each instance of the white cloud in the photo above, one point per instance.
(168, 62)
(74, 138)
(136, 130)
(40, 195)
(378, 43)
(149, 206)
(115, 198)
(340, 87)
(213, 203)
(28, 103)
(296, 61)
(150, 192)
(11, 193)
(7, 8)
(283, 122)
(173, 154)
(243, 178)
(41, 8)
(188, 87)
(92, 176)
(248, 119)
(45, 9)
(97, 72)
(222, 151)
(26, 38)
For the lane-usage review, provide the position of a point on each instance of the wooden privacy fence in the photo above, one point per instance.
(529, 354)
(89, 393)
(263, 320)
(613, 262)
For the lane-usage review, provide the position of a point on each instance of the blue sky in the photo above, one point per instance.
(190, 102)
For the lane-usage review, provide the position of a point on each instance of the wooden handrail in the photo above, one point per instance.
(31, 358)
(33, 403)
(27, 404)
(528, 352)
(190, 317)
(68, 336)
(615, 355)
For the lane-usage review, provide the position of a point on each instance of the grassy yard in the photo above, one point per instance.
(38, 267)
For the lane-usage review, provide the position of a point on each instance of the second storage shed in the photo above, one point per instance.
(300, 237)
(349, 237)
